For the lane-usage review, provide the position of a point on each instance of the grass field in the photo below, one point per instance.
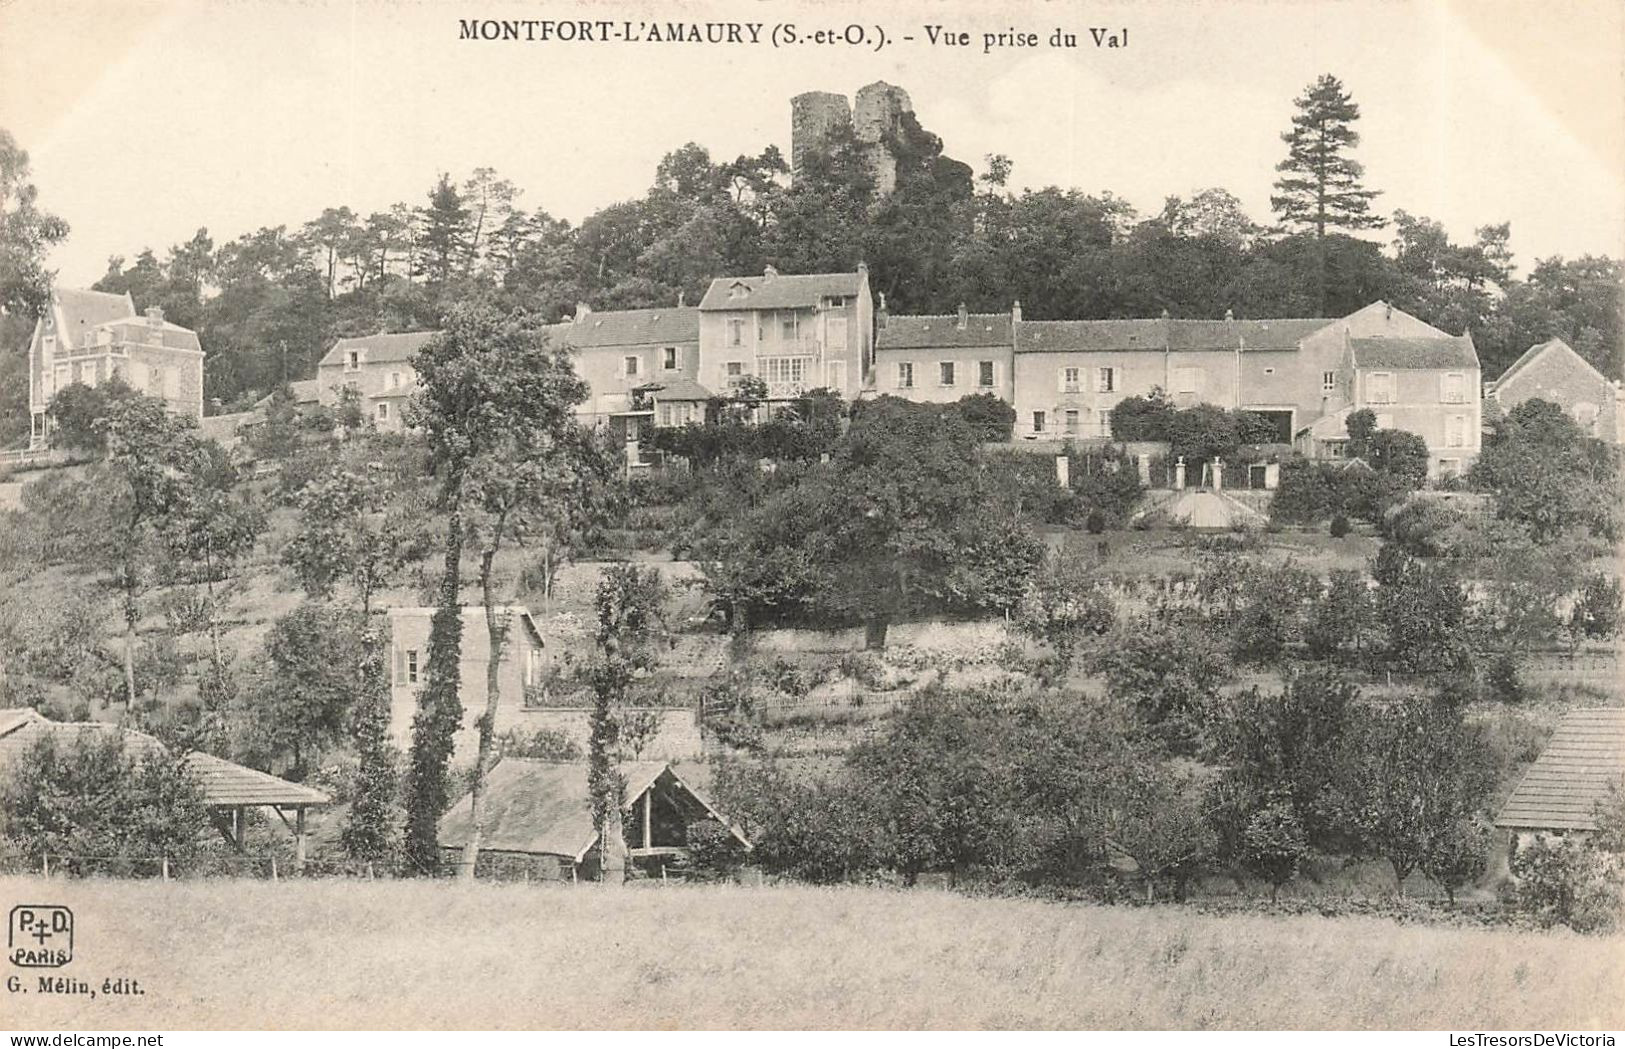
(395, 954)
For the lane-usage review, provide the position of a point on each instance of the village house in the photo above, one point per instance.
(1552, 371)
(521, 664)
(938, 359)
(379, 369)
(795, 332)
(641, 367)
(91, 337)
(538, 819)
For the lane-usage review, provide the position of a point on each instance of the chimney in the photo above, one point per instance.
(768, 273)
(880, 312)
(582, 312)
(1015, 312)
(863, 270)
(682, 298)
(155, 314)
(1229, 314)
(1165, 314)
(964, 317)
(1387, 312)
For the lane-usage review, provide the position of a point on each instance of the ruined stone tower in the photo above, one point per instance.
(880, 108)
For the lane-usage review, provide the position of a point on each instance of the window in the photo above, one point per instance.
(1269, 371)
(394, 380)
(352, 361)
(1038, 422)
(631, 365)
(1379, 388)
(1453, 388)
(1070, 380)
(411, 666)
(383, 411)
(1455, 431)
(155, 379)
(789, 326)
(778, 370)
(736, 331)
(48, 344)
(1449, 467)
(1105, 380)
(735, 369)
(1105, 424)
(984, 373)
(1071, 420)
(668, 358)
(837, 301)
(905, 375)
(1328, 382)
(679, 414)
(946, 370)
(1187, 380)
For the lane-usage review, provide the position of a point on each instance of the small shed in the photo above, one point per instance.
(1582, 764)
(542, 811)
(228, 789)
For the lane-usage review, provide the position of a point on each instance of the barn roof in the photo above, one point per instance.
(223, 783)
(1539, 350)
(1561, 790)
(545, 807)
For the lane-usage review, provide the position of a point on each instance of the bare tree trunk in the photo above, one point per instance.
(131, 614)
(496, 630)
(613, 851)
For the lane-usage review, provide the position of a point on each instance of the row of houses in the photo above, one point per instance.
(659, 367)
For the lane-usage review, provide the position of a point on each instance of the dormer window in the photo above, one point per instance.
(836, 302)
(669, 359)
(352, 360)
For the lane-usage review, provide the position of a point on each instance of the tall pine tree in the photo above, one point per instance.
(1320, 187)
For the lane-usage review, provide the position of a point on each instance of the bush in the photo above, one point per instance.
(1566, 882)
(1095, 523)
(714, 854)
(1340, 526)
(542, 745)
(1274, 844)
(989, 415)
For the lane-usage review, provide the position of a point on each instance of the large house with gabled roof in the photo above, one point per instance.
(92, 337)
(797, 332)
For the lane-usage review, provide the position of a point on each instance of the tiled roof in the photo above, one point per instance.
(932, 332)
(1403, 353)
(1562, 788)
(668, 326)
(681, 390)
(540, 807)
(377, 349)
(222, 782)
(1282, 334)
(227, 783)
(83, 310)
(306, 391)
(135, 329)
(1180, 336)
(781, 291)
(473, 616)
(1529, 355)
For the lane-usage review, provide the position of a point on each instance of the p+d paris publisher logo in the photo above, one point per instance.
(40, 936)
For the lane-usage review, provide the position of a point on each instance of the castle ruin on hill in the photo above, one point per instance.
(877, 112)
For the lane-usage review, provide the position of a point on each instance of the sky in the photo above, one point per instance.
(147, 119)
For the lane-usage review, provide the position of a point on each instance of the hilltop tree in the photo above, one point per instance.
(1320, 187)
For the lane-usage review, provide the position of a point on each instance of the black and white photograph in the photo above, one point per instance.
(688, 516)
